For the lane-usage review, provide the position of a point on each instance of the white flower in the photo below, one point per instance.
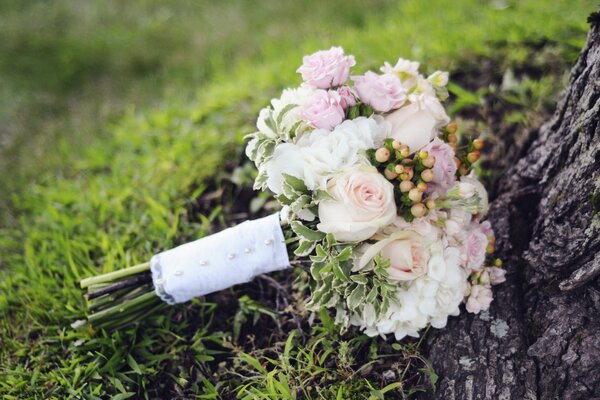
(416, 124)
(438, 78)
(479, 189)
(428, 299)
(362, 202)
(404, 68)
(320, 154)
(297, 97)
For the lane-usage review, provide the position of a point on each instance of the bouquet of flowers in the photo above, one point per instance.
(377, 191)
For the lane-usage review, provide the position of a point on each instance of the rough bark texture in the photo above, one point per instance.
(541, 337)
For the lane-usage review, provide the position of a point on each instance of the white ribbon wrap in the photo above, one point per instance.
(219, 261)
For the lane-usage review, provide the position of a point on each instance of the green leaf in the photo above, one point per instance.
(306, 233)
(360, 279)
(345, 254)
(284, 111)
(295, 183)
(356, 298)
(304, 248)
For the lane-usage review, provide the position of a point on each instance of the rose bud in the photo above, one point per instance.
(382, 155)
(389, 174)
(427, 175)
(422, 186)
(452, 128)
(473, 156)
(406, 185)
(429, 162)
(418, 210)
(415, 195)
(478, 144)
(430, 203)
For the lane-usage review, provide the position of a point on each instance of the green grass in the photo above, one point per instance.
(125, 125)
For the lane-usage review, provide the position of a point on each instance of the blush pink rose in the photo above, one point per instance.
(362, 202)
(347, 97)
(474, 249)
(323, 110)
(326, 68)
(382, 92)
(444, 168)
(479, 299)
(405, 251)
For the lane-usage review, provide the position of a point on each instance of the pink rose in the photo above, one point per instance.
(323, 110)
(479, 299)
(405, 251)
(347, 96)
(326, 68)
(362, 202)
(444, 168)
(382, 92)
(473, 249)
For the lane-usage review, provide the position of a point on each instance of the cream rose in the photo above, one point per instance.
(416, 124)
(406, 252)
(362, 203)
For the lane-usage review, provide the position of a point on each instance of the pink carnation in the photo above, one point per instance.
(323, 110)
(479, 299)
(326, 68)
(473, 249)
(444, 168)
(348, 99)
(382, 92)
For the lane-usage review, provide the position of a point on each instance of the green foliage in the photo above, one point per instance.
(99, 176)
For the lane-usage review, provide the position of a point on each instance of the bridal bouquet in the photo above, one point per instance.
(376, 191)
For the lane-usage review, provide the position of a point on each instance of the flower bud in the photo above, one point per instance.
(396, 145)
(457, 162)
(452, 128)
(382, 155)
(389, 174)
(406, 185)
(404, 176)
(473, 156)
(430, 203)
(418, 210)
(490, 248)
(410, 171)
(404, 151)
(415, 195)
(463, 170)
(422, 186)
(399, 169)
(429, 162)
(427, 175)
(423, 154)
(478, 144)
(484, 278)
(452, 138)
(498, 262)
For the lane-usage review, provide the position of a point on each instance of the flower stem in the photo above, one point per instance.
(115, 275)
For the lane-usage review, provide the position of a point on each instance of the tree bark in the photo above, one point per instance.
(541, 337)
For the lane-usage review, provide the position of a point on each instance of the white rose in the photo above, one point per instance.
(320, 154)
(416, 124)
(363, 202)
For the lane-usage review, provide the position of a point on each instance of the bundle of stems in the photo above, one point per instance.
(121, 297)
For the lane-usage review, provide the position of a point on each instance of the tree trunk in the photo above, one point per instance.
(541, 337)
